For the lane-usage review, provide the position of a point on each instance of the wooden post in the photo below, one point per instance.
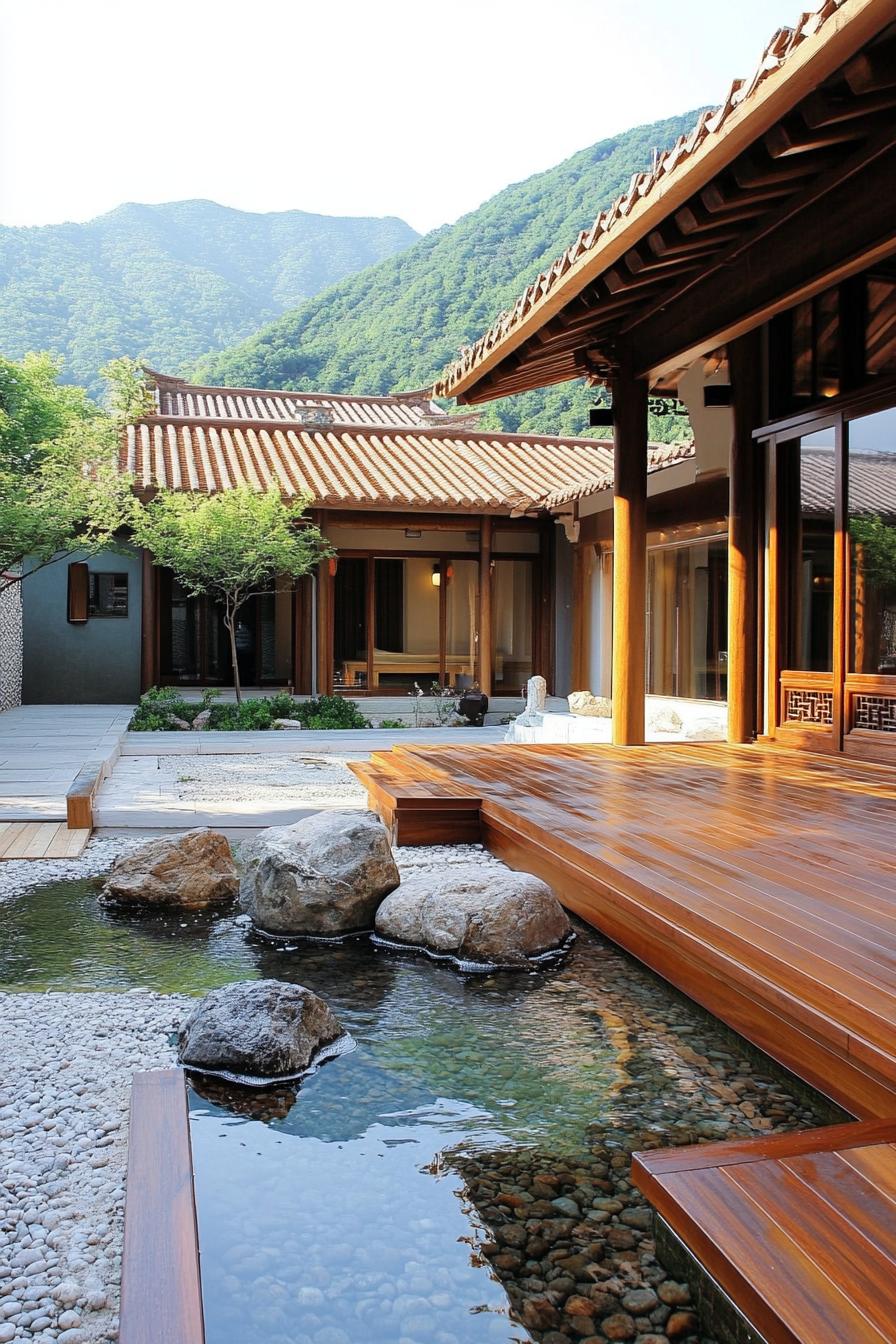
(324, 625)
(744, 358)
(485, 604)
(149, 623)
(629, 557)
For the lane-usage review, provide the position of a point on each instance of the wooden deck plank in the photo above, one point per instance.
(161, 1297)
(41, 840)
(772, 869)
(804, 1243)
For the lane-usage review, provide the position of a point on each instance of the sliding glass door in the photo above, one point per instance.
(831, 591)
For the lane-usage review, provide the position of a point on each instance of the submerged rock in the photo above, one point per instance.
(476, 915)
(257, 1030)
(189, 871)
(323, 876)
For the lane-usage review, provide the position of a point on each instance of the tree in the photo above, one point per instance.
(60, 489)
(231, 546)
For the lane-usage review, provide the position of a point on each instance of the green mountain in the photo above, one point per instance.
(396, 324)
(170, 282)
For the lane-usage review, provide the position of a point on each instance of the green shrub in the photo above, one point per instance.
(329, 711)
(158, 707)
(392, 723)
(162, 704)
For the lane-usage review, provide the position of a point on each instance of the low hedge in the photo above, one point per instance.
(164, 708)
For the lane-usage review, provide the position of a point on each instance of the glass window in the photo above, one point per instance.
(807, 526)
(275, 634)
(512, 626)
(461, 623)
(687, 620)
(406, 643)
(350, 623)
(872, 534)
(107, 595)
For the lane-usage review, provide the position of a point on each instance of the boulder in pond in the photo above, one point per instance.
(188, 871)
(475, 914)
(324, 876)
(258, 1031)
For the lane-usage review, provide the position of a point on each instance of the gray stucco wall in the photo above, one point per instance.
(97, 662)
(563, 616)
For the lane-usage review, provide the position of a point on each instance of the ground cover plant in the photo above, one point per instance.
(164, 709)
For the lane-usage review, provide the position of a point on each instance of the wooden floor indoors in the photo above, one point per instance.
(762, 883)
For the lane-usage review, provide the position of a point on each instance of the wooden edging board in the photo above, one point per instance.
(161, 1295)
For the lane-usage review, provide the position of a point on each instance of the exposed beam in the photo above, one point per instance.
(839, 225)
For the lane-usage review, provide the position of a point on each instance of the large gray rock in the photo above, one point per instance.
(257, 1031)
(325, 875)
(475, 914)
(189, 871)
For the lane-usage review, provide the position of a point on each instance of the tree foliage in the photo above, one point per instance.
(230, 547)
(60, 491)
(169, 282)
(877, 540)
(395, 325)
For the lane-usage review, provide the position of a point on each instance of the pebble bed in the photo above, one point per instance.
(68, 1061)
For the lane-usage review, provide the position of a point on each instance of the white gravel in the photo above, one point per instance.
(203, 780)
(68, 1062)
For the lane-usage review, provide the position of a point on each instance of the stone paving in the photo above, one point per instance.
(43, 748)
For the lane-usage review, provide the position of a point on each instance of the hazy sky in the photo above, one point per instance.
(383, 107)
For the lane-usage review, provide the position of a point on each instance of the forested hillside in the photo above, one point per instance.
(396, 324)
(170, 282)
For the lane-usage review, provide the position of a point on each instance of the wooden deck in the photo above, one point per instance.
(41, 840)
(761, 882)
(799, 1229)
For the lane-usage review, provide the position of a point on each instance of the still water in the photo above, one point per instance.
(345, 1210)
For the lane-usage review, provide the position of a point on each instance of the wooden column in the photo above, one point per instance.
(149, 624)
(744, 359)
(629, 557)
(324, 622)
(485, 604)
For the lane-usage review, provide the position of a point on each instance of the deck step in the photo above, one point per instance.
(420, 811)
(798, 1229)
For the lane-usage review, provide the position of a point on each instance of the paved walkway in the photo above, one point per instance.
(42, 749)
(179, 780)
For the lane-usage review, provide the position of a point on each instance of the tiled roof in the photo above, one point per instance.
(347, 465)
(690, 156)
(872, 483)
(175, 397)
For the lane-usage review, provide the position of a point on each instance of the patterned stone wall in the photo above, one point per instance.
(10, 648)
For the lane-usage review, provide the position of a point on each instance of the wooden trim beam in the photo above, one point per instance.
(629, 558)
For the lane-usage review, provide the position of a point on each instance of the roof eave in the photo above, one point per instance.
(817, 57)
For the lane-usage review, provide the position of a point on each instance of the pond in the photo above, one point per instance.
(461, 1174)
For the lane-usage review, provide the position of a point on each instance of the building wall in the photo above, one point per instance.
(97, 662)
(10, 648)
